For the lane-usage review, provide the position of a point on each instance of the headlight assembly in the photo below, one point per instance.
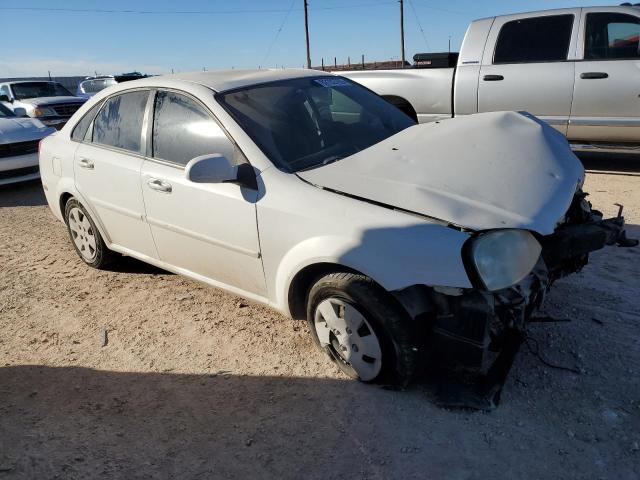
(501, 258)
(44, 112)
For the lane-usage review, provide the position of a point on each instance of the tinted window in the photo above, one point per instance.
(5, 112)
(611, 35)
(308, 122)
(183, 130)
(539, 39)
(4, 90)
(39, 89)
(80, 130)
(119, 123)
(94, 86)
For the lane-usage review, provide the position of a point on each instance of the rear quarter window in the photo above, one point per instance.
(79, 132)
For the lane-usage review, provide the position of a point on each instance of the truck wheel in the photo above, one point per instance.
(85, 236)
(362, 330)
(402, 105)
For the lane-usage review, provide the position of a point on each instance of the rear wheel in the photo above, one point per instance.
(85, 237)
(362, 329)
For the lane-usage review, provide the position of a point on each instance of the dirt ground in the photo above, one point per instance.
(195, 383)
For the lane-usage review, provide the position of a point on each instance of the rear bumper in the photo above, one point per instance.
(20, 168)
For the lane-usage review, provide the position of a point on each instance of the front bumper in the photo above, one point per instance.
(20, 168)
(467, 327)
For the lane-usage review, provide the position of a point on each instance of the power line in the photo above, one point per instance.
(275, 38)
(439, 9)
(415, 14)
(184, 12)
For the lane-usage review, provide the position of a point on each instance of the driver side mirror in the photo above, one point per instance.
(216, 168)
(5, 98)
(211, 168)
(20, 112)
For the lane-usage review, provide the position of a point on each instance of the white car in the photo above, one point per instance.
(19, 138)
(311, 194)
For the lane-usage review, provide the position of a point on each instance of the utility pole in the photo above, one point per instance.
(402, 30)
(306, 29)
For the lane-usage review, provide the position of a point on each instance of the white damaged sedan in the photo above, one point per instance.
(399, 243)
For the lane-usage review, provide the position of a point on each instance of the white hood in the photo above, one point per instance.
(15, 129)
(484, 171)
(53, 100)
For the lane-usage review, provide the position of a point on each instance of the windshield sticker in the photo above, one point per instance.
(332, 82)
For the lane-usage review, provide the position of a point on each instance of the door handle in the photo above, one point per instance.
(593, 75)
(159, 185)
(492, 78)
(86, 163)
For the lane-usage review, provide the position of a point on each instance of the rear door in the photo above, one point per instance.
(606, 101)
(107, 169)
(204, 228)
(527, 66)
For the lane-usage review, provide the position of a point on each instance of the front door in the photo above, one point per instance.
(606, 101)
(206, 229)
(107, 171)
(528, 70)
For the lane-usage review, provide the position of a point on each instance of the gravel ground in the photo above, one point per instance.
(196, 383)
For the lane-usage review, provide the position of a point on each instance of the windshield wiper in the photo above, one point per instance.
(326, 161)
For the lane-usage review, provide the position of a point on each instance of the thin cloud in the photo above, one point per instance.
(60, 67)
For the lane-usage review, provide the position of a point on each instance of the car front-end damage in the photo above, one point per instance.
(479, 330)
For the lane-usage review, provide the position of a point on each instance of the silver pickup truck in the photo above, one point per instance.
(576, 68)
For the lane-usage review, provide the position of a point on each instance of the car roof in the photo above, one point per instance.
(222, 80)
(606, 8)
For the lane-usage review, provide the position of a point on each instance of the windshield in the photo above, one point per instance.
(308, 122)
(94, 86)
(39, 89)
(5, 112)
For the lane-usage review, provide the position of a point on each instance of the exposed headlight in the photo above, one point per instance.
(44, 112)
(502, 258)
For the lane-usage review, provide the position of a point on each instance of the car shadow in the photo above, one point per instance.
(619, 163)
(126, 264)
(25, 194)
(72, 422)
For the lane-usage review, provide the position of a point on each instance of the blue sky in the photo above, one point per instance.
(77, 43)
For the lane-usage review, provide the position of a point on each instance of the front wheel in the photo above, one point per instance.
(362, 329)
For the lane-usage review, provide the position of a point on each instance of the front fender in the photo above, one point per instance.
(394, 257)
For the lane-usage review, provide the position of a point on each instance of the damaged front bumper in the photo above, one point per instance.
(481, 331)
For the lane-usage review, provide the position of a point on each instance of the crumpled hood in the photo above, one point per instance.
(15, 129)
(53, 100)
(484, 171)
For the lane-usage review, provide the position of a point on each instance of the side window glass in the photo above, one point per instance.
(612, 36)
(80, 130)
(183, 130)
(538, 39)
(4, 90)
(342, 108)
(119, 123)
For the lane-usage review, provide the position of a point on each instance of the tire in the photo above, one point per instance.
(402, 105)
(365, 315)
(85, 237)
